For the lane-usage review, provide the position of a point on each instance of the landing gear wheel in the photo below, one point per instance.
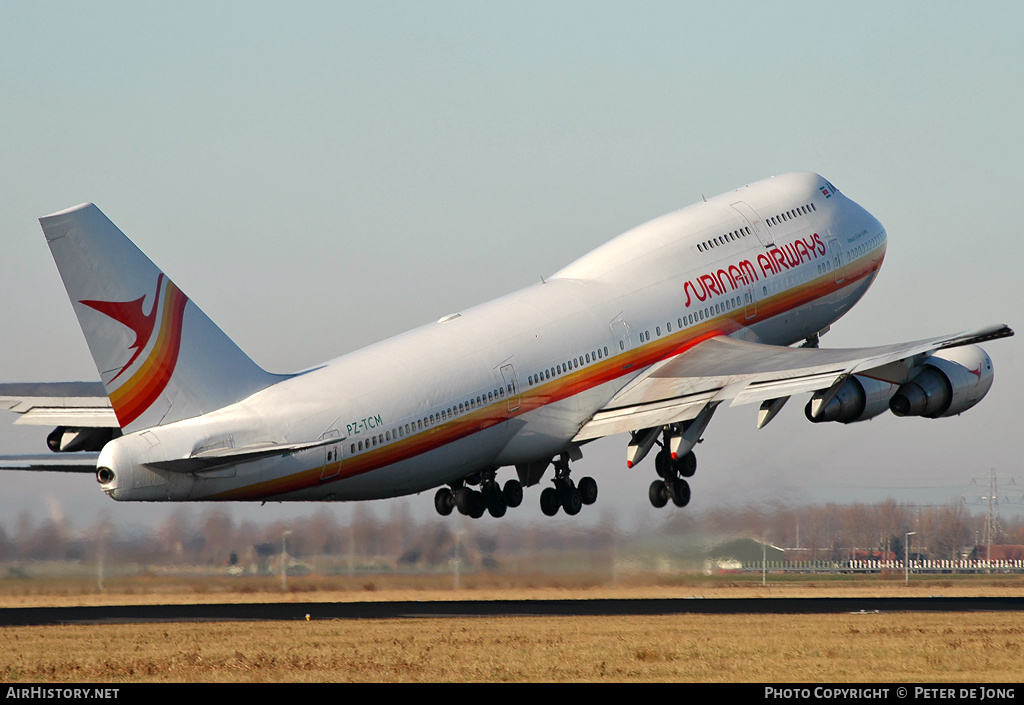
(549, 503)
(496, 503)
(513, 492)
(663, 464)
(680, 492)
(658, 494)
(686, 465)
(572, 501)
(444, 501)
(588, 490)
(470, 502)
(477, 505)
(463, 499)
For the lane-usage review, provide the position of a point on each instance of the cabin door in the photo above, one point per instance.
(754, 222)
(835, 254)
(332, 455)
(508, 375)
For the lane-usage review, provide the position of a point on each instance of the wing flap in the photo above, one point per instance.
(630, 418)
(774, 389)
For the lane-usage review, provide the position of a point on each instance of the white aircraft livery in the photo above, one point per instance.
(646, 335)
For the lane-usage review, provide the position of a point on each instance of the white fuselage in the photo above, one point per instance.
(512, 381)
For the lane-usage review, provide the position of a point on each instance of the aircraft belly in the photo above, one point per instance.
(542, 433)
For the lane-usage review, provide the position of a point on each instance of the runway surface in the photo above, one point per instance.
(127, 614)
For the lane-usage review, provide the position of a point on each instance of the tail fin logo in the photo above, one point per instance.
(137, 393)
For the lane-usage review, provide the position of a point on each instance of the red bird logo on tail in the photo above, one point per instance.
(136, 394)
(129, 314)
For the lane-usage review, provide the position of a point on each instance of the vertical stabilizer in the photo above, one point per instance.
(160, 358)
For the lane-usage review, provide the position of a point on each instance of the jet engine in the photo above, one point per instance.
(949, 383)
(858, 399)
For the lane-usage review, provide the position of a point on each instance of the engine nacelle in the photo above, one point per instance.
(949, 383)
(859, 399)
(69, 439)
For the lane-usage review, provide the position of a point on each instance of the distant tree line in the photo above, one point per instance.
(210, 536)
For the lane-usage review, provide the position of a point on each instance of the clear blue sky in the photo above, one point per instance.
(321, 175)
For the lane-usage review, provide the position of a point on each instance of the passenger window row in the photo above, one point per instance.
(723, 239)
(450, 412)
(791, 214)
(568, 366)
(865, 247)
(701, 314)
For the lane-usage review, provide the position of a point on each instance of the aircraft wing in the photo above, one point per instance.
(79, 404)
(720, 369)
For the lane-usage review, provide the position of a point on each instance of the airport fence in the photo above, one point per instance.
(879, 566)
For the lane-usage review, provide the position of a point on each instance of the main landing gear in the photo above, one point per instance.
(675, 459)
(566, 494)
(496, 499)
(473, 503)
(672, 485)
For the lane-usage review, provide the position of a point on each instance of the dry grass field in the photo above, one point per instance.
(877, 648)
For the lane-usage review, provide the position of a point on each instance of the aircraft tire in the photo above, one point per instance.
(680, 492)
(572, 501)
(496, 504)
(658, 494)
(686, 466)
(463, 499)
(444, 501)
(588, 490)
(549, 503)
(513, 492)
(477, 504)
(663, 464)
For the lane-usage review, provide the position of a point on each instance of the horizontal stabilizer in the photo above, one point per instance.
(51, 462)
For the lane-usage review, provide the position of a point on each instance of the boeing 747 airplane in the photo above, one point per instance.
(720, 302)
